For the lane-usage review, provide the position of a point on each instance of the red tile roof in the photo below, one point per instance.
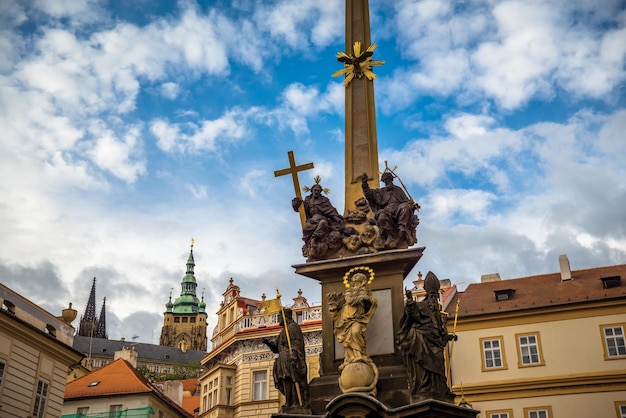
(116, 378)
(540, 291)
(190, 404)
(190, 385)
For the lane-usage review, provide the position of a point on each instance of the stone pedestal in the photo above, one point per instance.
(362, 406)
(356, 405)
(390, 268)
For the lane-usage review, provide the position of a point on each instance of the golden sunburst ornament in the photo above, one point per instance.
(358, 64)
(346, 276)
(317, 180)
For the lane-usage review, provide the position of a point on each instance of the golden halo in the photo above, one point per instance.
(346, 283)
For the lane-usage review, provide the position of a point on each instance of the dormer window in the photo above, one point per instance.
(8, 306)
(93, 384)
(51, 330)
(610, 282)
(505, 294)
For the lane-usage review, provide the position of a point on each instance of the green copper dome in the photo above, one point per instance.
(169, 305)
(187, 302)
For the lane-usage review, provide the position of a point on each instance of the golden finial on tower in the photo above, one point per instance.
(192, 241)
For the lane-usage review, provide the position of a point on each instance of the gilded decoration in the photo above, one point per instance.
(357, 64)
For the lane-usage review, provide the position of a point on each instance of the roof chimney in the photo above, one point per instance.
(128, 354)
(173, 389)
(566, 272)
(494, 277)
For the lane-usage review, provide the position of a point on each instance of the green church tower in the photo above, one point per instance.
(184, 320)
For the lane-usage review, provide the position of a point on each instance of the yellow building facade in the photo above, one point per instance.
(238, 382)
(36, 355)
(545, 346)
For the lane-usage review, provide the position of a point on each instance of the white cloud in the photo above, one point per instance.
(205, 135)
(300, 102)
(302, 22)
(474, 144)
(120, 156)
(458, 206)
(167, 135)
(79, 11)
(517, 65)
(508, 51)
(253, 181)
(170, 90)
(199, 191)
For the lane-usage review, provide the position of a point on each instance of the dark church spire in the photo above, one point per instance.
(89, 325)
(101, 332)
(88, 320)
(90, 310)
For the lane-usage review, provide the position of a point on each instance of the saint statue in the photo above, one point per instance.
(290, 372)
(323, 230)
(421, 339)
(394, 213)
(351, 311)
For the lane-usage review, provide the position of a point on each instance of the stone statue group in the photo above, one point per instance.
(391, 223)
(421, 339)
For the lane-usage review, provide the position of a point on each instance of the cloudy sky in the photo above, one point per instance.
(130, 127)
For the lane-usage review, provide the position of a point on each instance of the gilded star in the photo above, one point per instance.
(358, 64)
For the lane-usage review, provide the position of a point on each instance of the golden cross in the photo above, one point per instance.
(293, 169)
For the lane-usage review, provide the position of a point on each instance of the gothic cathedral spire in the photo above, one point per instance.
(90, 325)
(101, 331)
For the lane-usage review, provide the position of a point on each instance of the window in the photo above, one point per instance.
(529, 350)
(614, 342)
(83, 410)
(2, 367)
(204, 404)
(9, 307)
(620, 407)
(228, 391)
(185, 319)
(192, 319)
(177, 319)
(50, 330)
(229, 394)
(41, 396)
(115, 408)
(611, 282)
(212, 398)
(259, 385)
(156, 368)
(505, 294)
(538, 412)
(505, 413)
(493, 353)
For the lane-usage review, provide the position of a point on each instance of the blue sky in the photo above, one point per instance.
(129, 129)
